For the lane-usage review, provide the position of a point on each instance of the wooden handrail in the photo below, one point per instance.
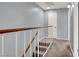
(29, 44)
(20, 29)
(2, 31)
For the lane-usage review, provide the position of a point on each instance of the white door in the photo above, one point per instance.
(52, 20)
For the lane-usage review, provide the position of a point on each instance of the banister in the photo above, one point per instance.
(29, 44)
(20, 29)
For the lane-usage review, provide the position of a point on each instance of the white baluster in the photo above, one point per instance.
(24, 42)
(16, 44)
(35, 45)
(30, 43)
(38, 42)
(2, 45)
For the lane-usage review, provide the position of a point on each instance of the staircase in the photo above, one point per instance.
(43, 46)
(58, 48)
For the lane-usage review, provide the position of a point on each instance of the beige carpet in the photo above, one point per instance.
(59, 48)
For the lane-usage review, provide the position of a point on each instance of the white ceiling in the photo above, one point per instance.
(52, 5)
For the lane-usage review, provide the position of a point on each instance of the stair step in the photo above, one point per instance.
(44, 43)
(35, 54)
(41, 48)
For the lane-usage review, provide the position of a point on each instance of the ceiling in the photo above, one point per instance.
(52, 5)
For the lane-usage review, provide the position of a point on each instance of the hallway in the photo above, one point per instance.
(39, 29)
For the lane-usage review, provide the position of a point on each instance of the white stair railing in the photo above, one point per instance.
(4, 31)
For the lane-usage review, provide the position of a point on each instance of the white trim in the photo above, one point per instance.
(69, 23)
(75, 29)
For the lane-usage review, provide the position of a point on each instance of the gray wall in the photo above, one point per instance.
(62, 22)
(18, 14)
(46, 22)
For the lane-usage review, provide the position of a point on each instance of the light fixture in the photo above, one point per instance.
(72, 5)
(48, 7)
(68, 6)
